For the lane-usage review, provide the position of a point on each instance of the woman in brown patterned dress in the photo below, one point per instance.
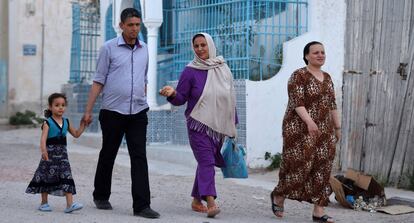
(311, 128)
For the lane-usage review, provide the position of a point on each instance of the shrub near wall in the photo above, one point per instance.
(26, 118)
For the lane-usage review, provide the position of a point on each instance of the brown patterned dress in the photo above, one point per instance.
(307, 162)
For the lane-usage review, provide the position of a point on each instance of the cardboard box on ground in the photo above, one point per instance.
(358, 184)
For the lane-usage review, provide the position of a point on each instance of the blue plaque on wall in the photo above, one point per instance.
(29, 49)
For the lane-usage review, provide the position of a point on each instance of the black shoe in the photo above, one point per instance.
(147, 213)
(103, 204)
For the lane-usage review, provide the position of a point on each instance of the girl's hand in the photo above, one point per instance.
(313, 129)
(167, 91)
(83, 123)
(45, 156)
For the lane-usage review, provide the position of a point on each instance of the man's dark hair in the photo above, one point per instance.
(307, 49)
(129, 13)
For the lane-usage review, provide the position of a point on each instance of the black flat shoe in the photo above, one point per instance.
(103, 204)
(147, 213)
(276, 208)
(323, 218)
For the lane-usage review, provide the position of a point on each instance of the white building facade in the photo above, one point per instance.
(35, 45)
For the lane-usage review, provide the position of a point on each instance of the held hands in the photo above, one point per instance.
(167, 91)
(86, 119)
(83, 123)
(82, 126)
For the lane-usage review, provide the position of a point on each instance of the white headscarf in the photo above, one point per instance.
(216, 107)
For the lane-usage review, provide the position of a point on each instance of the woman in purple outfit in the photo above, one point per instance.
(206, 84)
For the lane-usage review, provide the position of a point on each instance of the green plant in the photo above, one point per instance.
(275, 160)
(26, 118)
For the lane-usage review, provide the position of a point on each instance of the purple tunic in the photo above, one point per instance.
(205, 149)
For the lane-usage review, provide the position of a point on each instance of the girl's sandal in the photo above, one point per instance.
(212, 211)
(198, 208)
(277, 210)
(323, 219)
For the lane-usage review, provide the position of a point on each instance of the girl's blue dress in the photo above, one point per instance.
(54, 176)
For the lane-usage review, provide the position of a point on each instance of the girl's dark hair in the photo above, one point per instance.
(50, 100)
(307, 48)
(198, 35)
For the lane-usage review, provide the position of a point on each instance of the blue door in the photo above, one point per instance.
(3, 89)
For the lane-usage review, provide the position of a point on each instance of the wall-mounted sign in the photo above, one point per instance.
(29, 49)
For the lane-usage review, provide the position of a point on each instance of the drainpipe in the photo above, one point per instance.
(42, 63)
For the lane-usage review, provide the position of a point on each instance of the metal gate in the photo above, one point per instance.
(85, 34)
(378, 116)
(248, 33)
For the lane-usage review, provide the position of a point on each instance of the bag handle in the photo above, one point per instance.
(236, 145)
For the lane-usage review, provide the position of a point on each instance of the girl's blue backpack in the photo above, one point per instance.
(233, 155)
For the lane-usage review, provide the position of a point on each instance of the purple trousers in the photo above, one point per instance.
(207, 153)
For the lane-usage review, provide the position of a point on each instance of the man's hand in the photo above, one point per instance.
(87, 118)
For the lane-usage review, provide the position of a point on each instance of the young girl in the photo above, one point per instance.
(53, 176)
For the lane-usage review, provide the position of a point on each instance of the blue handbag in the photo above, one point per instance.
(233, 155)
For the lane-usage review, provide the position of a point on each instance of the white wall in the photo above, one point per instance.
(58, 43)
(266, 100)
(25, 71)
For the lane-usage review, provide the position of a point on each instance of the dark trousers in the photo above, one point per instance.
(114, 126)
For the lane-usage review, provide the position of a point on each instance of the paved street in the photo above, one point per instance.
(171, 183)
